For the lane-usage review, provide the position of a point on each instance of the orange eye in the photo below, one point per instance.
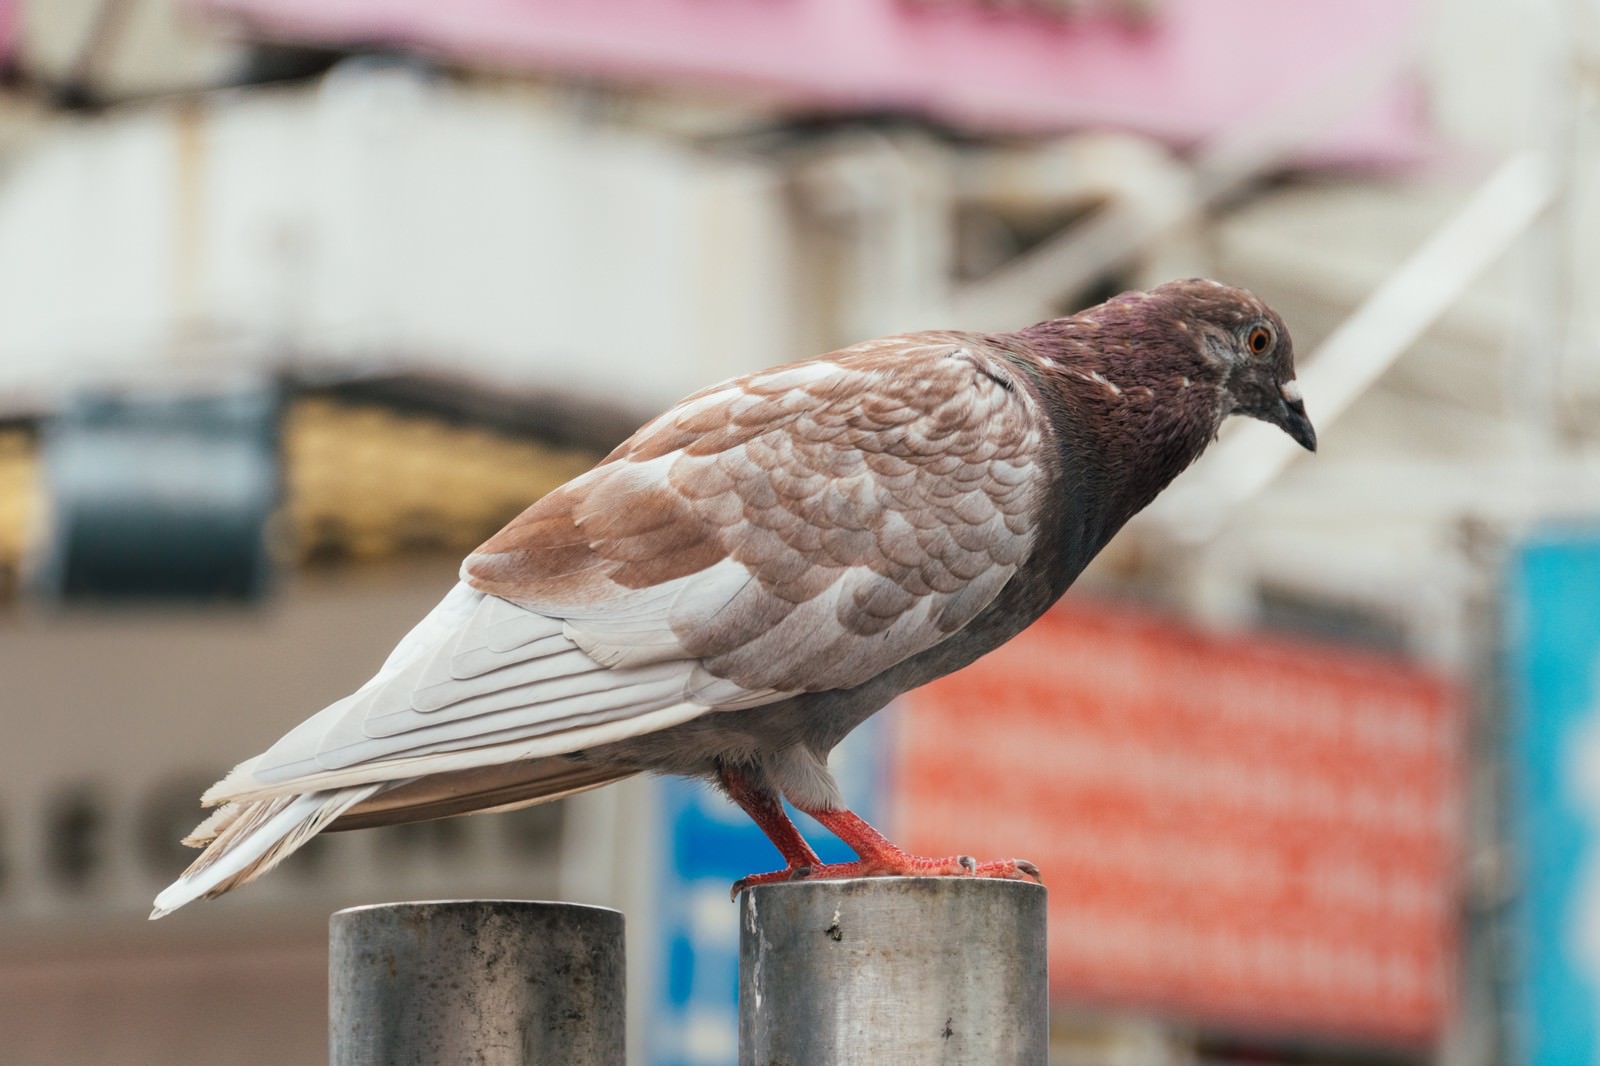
(1260, 339)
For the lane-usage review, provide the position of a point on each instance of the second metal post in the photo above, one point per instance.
(476, 983)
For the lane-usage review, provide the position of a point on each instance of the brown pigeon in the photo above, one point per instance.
(751, 575)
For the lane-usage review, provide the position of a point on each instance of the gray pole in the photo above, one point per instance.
(475, 983)
(947, 970)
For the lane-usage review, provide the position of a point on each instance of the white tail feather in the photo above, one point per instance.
(239, 787)
(252, 838)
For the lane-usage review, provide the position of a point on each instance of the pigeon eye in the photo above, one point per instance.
(1259, 340)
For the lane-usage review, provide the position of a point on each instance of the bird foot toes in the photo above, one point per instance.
(792, 873)
(1010, 869)
(898, 865)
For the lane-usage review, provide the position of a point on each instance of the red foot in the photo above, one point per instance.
(898, 864)
(879, 856)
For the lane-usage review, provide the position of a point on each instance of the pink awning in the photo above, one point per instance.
(1185, 74)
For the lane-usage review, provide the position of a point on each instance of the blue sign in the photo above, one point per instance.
(708, 844)
(1553, 605)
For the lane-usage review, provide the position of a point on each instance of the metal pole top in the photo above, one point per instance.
(490, 982)
(948, 970)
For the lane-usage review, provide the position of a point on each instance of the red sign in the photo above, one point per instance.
(1188, 72)
(1254, 832)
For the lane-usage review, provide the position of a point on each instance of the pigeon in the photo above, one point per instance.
(760, 569)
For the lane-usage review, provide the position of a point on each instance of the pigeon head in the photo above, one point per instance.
(1247, 344)
(1144, 381)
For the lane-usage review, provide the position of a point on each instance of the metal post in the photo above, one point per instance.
(480, 982)
(947, 970)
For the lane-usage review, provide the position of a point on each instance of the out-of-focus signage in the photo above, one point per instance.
(1183, 72)
(164, 497)
(1251, 832)
(1553, 626)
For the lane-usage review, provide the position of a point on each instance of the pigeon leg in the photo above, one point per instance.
(766, 810)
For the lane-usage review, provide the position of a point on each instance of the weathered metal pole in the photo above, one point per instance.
(947, 970)
(480, 982)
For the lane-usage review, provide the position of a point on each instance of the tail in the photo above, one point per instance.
(245, 838)
(248, 839)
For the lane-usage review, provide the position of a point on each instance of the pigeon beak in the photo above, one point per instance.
(1295, 423)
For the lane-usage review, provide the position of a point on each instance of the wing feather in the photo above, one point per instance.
(540, 686)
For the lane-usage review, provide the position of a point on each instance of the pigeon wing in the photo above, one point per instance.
(798, 530)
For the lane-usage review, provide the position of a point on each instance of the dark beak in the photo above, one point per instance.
(1295, 423)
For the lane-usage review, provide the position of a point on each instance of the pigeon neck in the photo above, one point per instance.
(1129, 417)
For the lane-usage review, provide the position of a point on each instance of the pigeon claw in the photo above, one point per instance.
(1009, 870)
(792, 873)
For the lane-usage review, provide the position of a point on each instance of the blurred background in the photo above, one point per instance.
(301, 299)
